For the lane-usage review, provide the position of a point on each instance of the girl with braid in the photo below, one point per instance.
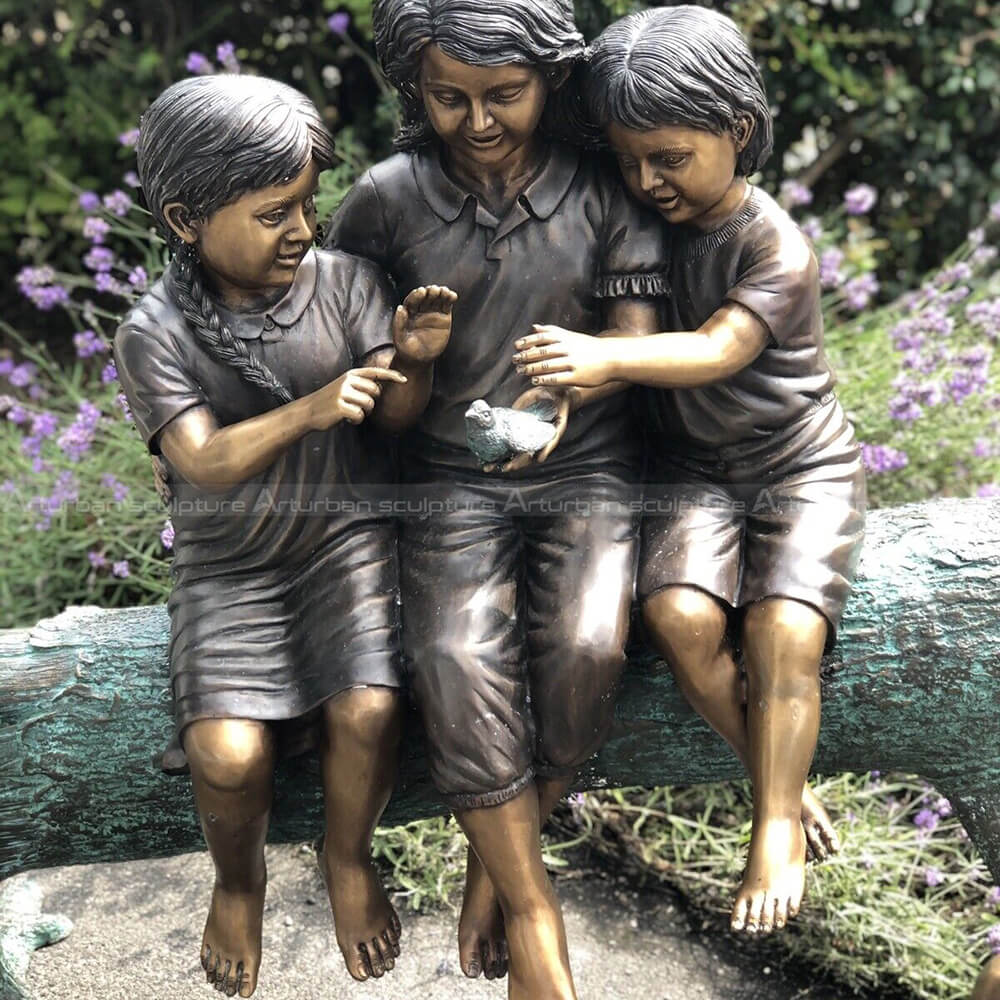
(248, 368)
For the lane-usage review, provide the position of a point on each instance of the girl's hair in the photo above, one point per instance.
(539, 33)
(205, 142)
(685, 66)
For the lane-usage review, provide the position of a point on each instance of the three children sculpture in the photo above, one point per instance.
(258, 364)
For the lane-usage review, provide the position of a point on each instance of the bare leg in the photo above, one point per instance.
(688, 626)
(232, 770)
(482, 941)
(783, 641)
(506, 839)
(362, 729)
(988, 984)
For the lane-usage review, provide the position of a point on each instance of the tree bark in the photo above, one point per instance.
(911, 685)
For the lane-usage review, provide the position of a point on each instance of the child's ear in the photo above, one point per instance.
(180, 221)
(743, 131)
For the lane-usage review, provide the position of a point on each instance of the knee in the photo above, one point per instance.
(783, 641)
(687, 625)
(230, 755)
(368, 718)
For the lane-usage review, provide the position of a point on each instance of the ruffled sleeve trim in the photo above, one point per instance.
(617, 286)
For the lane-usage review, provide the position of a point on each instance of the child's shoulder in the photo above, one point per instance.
(773, 233)
(391, 175)
(154, 315)
(339, 269)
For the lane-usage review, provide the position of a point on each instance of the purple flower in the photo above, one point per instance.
(96, 228)
(225, 52)
(995, 212)
(930, 394)
(23, 374)
(129, 138)
(167, 535)
(792, 193)
(952, 275)
(88, 343)
(879, 458)
(109, 373)
(44, 424)
(993, 939)
(812, 228)
(88, 201)
(17, 414)
(104, 282)
(6, 366)
(860, 199)
(118, 202)
(76, 440)
(198, 64)
(933, 877)
(976, 237)
(983, 255)
(31, 446)
(830, 275)
(926, 819)
(49, 296)
(904, 409)
(131, 178)
(119, 491)
(942, 807)
(966, 382)
(98, 258)
(97, 559)
(138, 278)
(120, 569)
(858, 291)
(988, 490)
(993, 896)
(339, 23)
(123, 404)
(8, 486)
(37, 392)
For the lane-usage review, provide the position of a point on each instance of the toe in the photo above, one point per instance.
(389, 945)
(738, 918)
(755, 913)
(780, 913)
(503, 963)
(395, 926)
(767, 915)
(361, 968)
(377, 960)
(206, 956)
(468, 958)
(486, 955)
(212, 969)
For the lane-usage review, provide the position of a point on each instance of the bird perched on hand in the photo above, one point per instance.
(497, 433)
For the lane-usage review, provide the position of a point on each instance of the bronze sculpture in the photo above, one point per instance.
(749, 449)
(486, 197)
(247, 368)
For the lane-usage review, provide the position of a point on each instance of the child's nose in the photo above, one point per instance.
(649, 177)
(480, 118)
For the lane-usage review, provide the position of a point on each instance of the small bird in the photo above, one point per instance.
(497, 433)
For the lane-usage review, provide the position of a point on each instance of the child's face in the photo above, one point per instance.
(255, 244)
(687, 174)
(482, 113)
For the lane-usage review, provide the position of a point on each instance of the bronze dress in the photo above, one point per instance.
(285, 588)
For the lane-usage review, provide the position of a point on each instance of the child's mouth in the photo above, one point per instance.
(665, 204)
(484, 142)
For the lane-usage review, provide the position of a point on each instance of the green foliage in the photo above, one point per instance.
(906, 903)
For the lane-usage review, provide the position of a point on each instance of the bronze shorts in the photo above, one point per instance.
(774, 520)
(514, 628)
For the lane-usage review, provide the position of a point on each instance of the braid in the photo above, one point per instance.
(200, 312)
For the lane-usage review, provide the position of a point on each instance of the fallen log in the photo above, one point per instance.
(912, 686)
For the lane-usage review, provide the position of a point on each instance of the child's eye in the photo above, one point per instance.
(272, 218)
(627, 163)
(447, 99)
(508, 95)
(671, 160)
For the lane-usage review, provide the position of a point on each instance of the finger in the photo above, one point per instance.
(361, 399)
(541, 354)
(366, 385)
(399, 320)
(559, 378)
(518, 462)
(380, 374)
(415, 299)
(353, 414)
(542, 335)
(546, 367)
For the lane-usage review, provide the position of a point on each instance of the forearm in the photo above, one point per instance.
(217, 458)
(401, 405)
(683, 360)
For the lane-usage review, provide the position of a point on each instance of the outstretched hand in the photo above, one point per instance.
(351, 397)
(560, 400)
(421, 326)
(558, 357)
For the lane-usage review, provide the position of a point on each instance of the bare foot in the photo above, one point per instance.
(230, 946)
(774, 880)
(482, 941)
(822, 841)
(366, 925)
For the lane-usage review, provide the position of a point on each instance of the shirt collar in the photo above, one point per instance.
(541, 195)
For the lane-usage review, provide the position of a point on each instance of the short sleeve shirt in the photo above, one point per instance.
(761, 260)
(337, 310)
(572, 238)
